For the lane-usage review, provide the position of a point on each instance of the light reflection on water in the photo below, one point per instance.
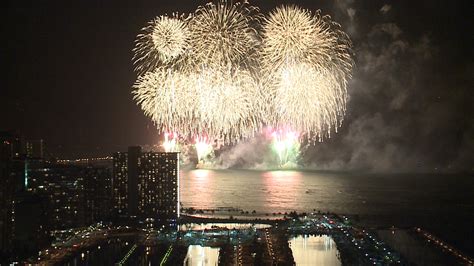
(281, 188)
(314, 250)
(282, 191)
(201, 256)
(230, 226)
(201, 173)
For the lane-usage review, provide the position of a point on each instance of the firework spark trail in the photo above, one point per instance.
(306, 63)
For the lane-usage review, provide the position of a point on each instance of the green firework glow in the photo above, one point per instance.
(286, 146)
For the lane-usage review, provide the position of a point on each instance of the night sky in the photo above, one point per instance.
(68, 72)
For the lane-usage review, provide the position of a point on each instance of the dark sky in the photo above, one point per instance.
(68, 76)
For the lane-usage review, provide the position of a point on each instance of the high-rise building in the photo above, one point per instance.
(120, 183)
(6, 201)
(22, 155)
(14, 144)
(146, 185)
(35, 149)
(77, 195)
(133, 164)
(30, 231)
(97, 193)
(158, 187)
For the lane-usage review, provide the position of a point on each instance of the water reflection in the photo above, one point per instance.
(201, 256)
(230, 226)
(282, 189)
(391, 198)
(201, 173)
(314, 250)
(282, 176)
(199, 182)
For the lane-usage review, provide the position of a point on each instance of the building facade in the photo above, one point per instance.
(35, 149)
(120, 182)
(6, 201)
(14, 144)
(77, 195)
(158, 187)
(148, 187)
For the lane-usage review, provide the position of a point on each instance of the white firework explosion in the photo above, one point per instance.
(164, 41)
(306, 62)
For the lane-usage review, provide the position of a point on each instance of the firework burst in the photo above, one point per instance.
(309, 100)
(225, 71)
(221, 105)
(293, 35)
(224, 42)
(306, 64)
(229, 102)
(168, 98)
(224, 33)
(164, 41)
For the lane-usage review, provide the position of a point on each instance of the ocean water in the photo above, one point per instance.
(443, 204)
